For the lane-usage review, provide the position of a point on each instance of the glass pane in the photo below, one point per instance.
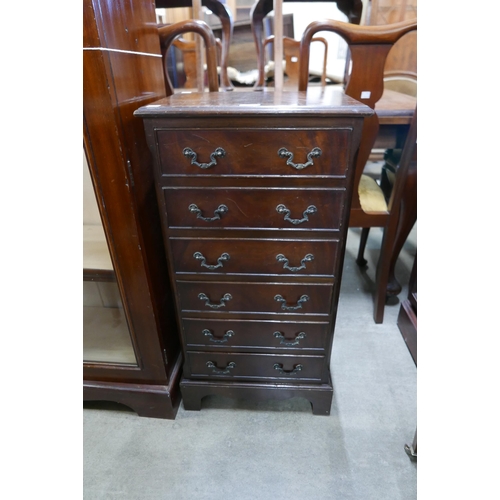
(106, 335)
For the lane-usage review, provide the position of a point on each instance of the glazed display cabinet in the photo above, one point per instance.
(131, 348)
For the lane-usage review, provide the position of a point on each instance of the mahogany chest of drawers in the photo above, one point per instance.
(254, 192)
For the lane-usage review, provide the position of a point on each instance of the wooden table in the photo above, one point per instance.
(394, 111)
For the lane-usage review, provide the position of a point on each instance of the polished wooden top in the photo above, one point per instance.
(395, 108)
(316, 100)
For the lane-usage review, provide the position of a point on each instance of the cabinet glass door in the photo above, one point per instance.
(106, 335)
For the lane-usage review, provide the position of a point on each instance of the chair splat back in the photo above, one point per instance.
(291, 53)
(168, 34)
(369, 47)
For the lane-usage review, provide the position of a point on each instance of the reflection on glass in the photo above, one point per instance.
(106, 336)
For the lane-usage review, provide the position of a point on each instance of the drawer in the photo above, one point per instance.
(231, 297)
(284, 367)
(254, 256)
(254, 152)
(253, 208)
(236, 334)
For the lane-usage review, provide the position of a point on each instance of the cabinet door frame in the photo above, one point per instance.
(119, 164)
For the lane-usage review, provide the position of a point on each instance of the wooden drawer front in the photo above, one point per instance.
(228, 297)
(265, 208)
(234, 334)
(255, 366)
(254, 152)
(254, 256)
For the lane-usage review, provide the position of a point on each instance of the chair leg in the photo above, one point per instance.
(383, 266)
(407, 223)
(407, 219)
(395, 234)
(361, 261)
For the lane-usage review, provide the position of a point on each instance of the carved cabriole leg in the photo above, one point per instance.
(226, 19)
(395, 234)
(382, 272)
(407, 219)
(258, 12)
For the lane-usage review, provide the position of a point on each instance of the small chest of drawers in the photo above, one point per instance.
(254, 192)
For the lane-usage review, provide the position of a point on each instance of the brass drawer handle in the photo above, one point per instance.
(311, 209)
(296, 369)
(224, 338)
(218, 153)
(314, 153)
(307, 258)
(279, 298)
(221, 209)
(224, 299)
(223, 257)
(221, 371)
(289, 343)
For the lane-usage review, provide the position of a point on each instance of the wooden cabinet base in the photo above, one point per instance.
(319, 395)
(407, 323)
(147, 400)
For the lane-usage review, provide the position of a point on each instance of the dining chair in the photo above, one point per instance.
(188, 50)
(368, 49)
(170, 32)
(189, 62)
(291, 49)
(407, 214)
(353, 9)
(402, 206)
(225, 16)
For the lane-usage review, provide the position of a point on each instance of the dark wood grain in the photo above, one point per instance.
(254, 256)
(255, 335)
(284, 107)
(250, 295)
(319, 395)
(407, 318)
(369, 47)
(256, 366)
(245, 150)
(115, 84)
(254, 208)
(254, 298)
